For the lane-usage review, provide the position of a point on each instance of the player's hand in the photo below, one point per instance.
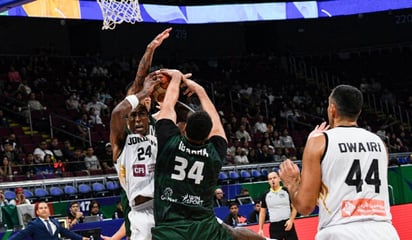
(289, 173)
(150, 82)
(260, 232)
(105, 237)
(191, 87)
(318, 130)
(157, 41)
(288, 225)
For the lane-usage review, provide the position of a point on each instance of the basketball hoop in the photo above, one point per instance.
(117, 11)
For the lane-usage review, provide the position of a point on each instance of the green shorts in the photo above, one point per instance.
(208, 229)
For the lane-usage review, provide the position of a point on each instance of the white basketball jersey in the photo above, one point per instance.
(354, 178)
(136, 165)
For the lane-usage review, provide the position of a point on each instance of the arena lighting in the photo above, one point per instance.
(220, 13)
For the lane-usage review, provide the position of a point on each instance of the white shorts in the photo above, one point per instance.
(359, 231)
(141, 223)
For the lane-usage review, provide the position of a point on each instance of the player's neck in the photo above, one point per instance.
(345, 123)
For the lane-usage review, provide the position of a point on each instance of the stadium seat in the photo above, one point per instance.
(113, 187)
(56, 193)
(257, 175)
(234, 176)
(70, 192)
(9, 195)
(96, 172)
(41, 194)
(264, 172)
(99, 190)
(85, 190)
(245, 176)
(223, 178)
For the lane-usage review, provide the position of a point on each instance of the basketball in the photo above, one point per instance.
(159, 91)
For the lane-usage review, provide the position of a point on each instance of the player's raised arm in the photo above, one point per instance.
(118, 121)
(146, 61)
(207, 106)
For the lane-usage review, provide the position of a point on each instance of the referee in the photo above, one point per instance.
(281, 211)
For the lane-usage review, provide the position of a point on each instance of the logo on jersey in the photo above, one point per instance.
(139, 170)
(167, 195)
(192, 200)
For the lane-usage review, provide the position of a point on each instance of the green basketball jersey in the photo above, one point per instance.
(185, 180)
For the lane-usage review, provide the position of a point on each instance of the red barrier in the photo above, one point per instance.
(307, 227)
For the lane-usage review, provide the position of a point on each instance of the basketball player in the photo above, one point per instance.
(134, 152)
(344, 170)
(135, 87)
(187, 169)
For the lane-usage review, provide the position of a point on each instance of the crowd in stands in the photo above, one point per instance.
(267, 111)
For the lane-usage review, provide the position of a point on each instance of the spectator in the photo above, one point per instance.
(106, 158)
(72, 103)
(56, 149)
(242, 134)
(97, 105)
(119, 211)
(3, 200)
(260, 125)
(219, 198)
(94, 118)
(41, 151)
(90, 160)
(287, 140)
(34, 103)
(10, 153)
(29, 168)
(75, 215)
(253, 216)
(234, 219)
(83, 125)
(77, 162)
(94, 208)
(6, 168)
(20, 198)
(240, 156)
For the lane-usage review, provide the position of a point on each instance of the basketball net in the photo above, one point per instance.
(117, 11)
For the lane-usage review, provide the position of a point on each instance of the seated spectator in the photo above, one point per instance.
(219, 198)
(6, 167)
(76, 163)
(119, 211)
(242, 134)
(90, 160)
(106, 159)
(253, 216)
(244, 192)
(94, 119)
(260, 125)
(97, 105)
(34, 103)
(29, 168)
(94, 208)
(20, 198)
(72, 103)
(11, 153)
(234, 218)
(240, 156)
(47, 167)
(56, 149)
(83, 125)
(75, 215)
(41, 151)
(14, 143)
(3, 200)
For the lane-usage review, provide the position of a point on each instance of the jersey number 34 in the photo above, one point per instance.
(195, 172)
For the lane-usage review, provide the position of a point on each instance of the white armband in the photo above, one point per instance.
(133, 100)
